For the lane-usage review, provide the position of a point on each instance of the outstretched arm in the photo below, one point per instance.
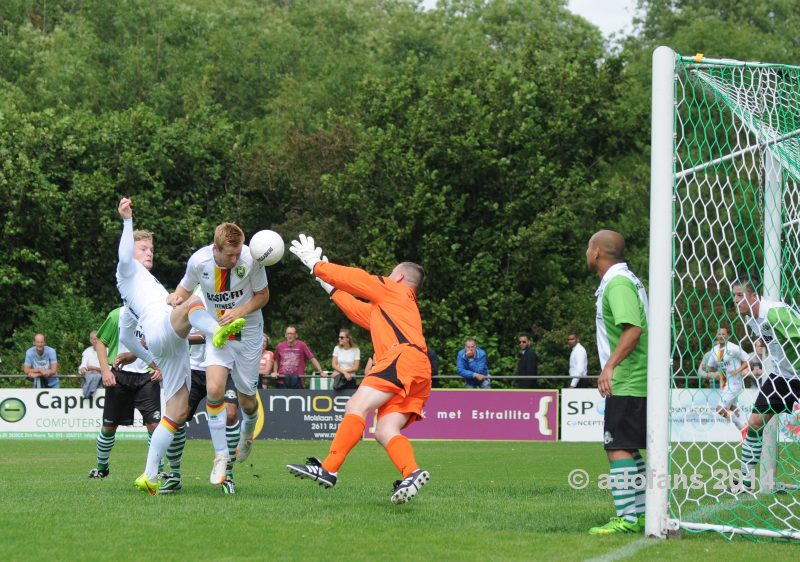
(353, 280)
(356, 310)
(126, 265)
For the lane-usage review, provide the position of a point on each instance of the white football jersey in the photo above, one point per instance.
(141, 292)
(227, 288)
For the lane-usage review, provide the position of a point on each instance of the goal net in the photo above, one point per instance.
(726, 162)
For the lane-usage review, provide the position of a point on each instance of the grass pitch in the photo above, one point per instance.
(485, 501)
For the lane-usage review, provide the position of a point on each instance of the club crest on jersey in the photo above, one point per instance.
(240, 271)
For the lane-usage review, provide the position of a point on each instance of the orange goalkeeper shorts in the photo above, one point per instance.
(406, 374)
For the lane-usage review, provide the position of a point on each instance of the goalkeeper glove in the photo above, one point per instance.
(308, 253)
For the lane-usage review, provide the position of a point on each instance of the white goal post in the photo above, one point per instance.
(724, 197)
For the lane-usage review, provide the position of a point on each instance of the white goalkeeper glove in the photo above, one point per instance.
(325, 285)
(308, 253)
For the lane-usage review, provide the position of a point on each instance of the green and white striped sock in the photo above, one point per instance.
(105, 442)
(751, 453)
(232, 434)
(623, 488)
(641, 468)
(175, 452)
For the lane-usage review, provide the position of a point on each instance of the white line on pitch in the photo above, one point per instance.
(628, 550)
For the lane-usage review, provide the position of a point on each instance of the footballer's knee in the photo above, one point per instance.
(383, 435)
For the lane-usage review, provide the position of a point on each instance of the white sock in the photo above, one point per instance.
(201, 320)
(160, 441)
(216, 426)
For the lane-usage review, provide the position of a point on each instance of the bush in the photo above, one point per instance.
(65, 321)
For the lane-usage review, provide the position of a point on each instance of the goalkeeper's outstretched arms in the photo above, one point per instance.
(356, 310)
(353, 280)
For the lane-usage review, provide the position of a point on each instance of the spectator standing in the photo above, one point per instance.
(471, 365)
(578, 363)
(434, 359)
(528, 365)
(346, 358)
(41, 364)
(290, 360)
(266, 362)
(90, 368)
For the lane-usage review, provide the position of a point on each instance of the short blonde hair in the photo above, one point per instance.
(142, 235)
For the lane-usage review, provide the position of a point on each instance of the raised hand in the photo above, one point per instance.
(306, 251)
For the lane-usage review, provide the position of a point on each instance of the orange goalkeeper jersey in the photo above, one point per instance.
(391, 315)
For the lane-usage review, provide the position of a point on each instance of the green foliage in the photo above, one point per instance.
(65, 320)
(486, 140)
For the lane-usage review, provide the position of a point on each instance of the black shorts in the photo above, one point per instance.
(133, 390)
(625, 423)
(198, 392)
(777, 395)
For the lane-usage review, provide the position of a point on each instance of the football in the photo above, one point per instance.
(266, 247)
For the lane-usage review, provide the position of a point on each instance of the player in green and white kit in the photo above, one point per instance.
(727, 363)
(621, 320)
(130, 383)
(778, 327)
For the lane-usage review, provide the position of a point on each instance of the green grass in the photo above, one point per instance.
(485, 501)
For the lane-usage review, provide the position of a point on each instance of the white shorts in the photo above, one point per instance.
(170, 351)
(241, 358)
(729, 394)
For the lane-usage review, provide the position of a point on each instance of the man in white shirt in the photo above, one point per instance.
(578, 363)
(90, 368)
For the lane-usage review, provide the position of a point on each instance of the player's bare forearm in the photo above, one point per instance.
(627, 343)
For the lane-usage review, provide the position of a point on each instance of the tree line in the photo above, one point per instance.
(485, 140)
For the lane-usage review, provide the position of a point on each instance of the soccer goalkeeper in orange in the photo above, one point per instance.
(400, 382)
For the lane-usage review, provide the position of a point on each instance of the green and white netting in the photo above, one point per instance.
(736, 209)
